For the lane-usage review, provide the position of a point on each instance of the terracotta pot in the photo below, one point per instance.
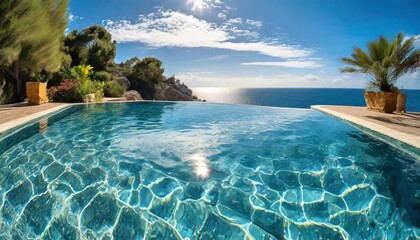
(401, 101)
(381, 101)
(36, 92)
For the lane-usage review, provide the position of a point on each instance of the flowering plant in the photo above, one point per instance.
(73, 90)
(67, 91)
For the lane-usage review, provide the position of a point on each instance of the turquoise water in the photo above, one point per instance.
(204, 171)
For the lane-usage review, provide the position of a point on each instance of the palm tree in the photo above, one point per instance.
(385, 61)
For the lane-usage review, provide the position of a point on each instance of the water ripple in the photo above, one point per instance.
(181, 171)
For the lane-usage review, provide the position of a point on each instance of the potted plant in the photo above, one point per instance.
(384, 62)
(36, 90)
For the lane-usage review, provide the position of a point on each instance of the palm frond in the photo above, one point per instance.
(385, 60)
(351, 70)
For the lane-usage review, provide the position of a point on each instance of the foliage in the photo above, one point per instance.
(130, 62)
(385, 61)
(81, 72)
(79, 85)
(146, 76)
(101, 76)
(3, 97)
(39, 77)
(149, 70)
(30, 37)
(67, 91)
(114, 89)
(88, 86)
(99, 91)
(55, 79)
(92, 46)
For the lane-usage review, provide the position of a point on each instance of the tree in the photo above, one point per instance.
(385, 61)
(30, 37)
(146, 76)
(130, 62)
(150, 70)
(92, 46)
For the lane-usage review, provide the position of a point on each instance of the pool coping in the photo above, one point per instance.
(411, 140)
(23, 120)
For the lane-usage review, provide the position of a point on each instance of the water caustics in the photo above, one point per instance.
(206, 171)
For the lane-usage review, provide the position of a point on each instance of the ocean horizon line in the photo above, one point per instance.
(402, 89)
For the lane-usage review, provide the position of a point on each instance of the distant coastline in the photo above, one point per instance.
(295, 97)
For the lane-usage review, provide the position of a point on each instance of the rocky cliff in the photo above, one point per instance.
(172, 89)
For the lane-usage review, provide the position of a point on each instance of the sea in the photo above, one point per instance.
(296, 97)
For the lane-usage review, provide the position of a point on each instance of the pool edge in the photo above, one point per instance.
(24, 120)
(411, 140)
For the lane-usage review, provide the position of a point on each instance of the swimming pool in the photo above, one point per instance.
(203, 171)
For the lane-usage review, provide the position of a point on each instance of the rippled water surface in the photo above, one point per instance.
(204, 171)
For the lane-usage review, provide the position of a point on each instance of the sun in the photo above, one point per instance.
(197, 5)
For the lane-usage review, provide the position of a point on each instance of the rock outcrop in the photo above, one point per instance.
(123, 81)
(173, 90)
(132, 95)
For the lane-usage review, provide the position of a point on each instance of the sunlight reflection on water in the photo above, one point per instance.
(200, 165)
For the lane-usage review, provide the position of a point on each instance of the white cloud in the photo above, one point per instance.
(234, 21)
(412, 75)
(288, 64)
(200, 79)
(197, 5)
(72, 17)
(416, 40)
(235, 27)
(311, 77)
(214, 58)
(222, 16)
(200, 5)
(214, 79)
(341, 79)
(254, 23)
(167, 28)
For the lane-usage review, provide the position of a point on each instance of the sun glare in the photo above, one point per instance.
(200, 165)
(197, 5)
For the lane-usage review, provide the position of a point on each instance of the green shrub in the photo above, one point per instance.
(114, 89)
(99, 90)
(88, 86)
(73, 90)
(101, 76)
(81, 72)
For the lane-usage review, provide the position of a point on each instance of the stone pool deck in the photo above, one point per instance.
(402, 127)
(13, 115)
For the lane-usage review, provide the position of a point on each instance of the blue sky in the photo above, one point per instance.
(249, 43)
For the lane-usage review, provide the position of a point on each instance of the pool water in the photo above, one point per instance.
(204, 171)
